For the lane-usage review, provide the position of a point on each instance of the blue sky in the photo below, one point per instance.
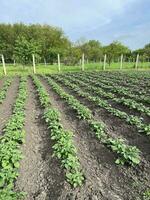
(125, 20)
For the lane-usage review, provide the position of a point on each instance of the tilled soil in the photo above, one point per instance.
(40, 174)
(119, 127)
(1, 82)
(119, 95)
(121, 107)
(103, 178)
(6, 106)
(126, 96)
(142, 84)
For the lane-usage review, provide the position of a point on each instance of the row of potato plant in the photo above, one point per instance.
(64, 148)
(138, 95)
(119, 90)
(4, 89)
(10, 142)
(131, 78)
(116, 83)
(133, 120)
(126, 153)
(131, 88)
(132, 104)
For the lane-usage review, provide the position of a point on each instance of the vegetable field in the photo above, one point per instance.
(75, 136)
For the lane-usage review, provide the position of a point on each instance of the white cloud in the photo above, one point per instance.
(69, 14)
(81, 16)
(104, 20)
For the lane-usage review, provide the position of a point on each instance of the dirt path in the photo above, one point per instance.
(104, 179)
(6, 106)
(40, 174)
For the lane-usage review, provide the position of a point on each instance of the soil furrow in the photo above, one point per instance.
(1, 82)
(104, 179)
(6, 106)
(132, 87)
(116, 125)
(116, 104)
(118, 94)
(40, 174)
(119, 106)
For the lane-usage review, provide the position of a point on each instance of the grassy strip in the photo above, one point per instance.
(64, 148)
(10, 153)
(126, 154)
(131, 119)
(132, 104)
(42, 69)
(4, 89)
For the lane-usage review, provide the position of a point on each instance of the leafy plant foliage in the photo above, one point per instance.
(127, 154)
(63, 148)
(10, 146)
(4, 89)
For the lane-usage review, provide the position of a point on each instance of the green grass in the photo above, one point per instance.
(116, 66)
(42, 69)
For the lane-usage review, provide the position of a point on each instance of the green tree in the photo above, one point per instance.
(146, 51)
(50, 41)
(114, 51)
(24, 50)
(92, 49)
(49, 38)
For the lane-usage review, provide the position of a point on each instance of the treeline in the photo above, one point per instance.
(19, 41)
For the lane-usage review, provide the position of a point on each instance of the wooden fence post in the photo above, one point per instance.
(121, 63)
(4, 67)
(58, 62)
(137, 60)
(34, 70)
(105, 57)
(83, 62)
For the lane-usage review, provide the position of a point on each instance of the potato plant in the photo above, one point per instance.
(10, 141)
(132, 104)
(113, 82)
(131, 119)
(4, 89)
(64, 148)
(127, 154)
(82, 111)
(121, 90)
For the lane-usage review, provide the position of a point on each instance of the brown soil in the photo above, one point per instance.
(126, 96)
(122, 107)
(125, 83)
(116, 126)
(145, 118)
(121, 95)
(6, 106)
(103, 178)
(40, 175)
(1, 82)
